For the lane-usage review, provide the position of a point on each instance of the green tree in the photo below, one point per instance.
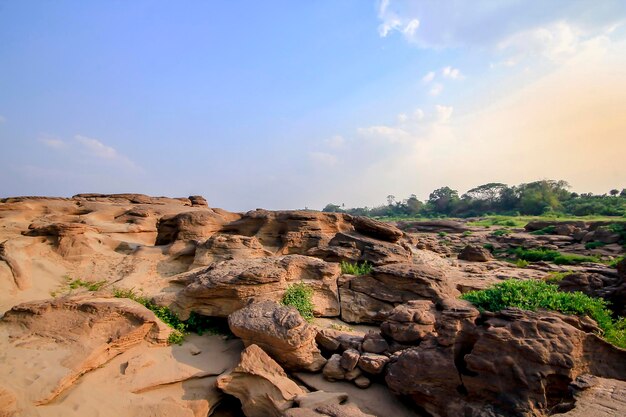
(444, 200)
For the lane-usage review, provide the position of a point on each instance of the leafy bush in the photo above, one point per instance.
(541, 254)
(554, 277)
(500, 232)
(300, 296)
(442, 234)
(520, 263)
(467, 233)
(533, 294)
(356, 268)
(196, 323)
(614, 262)
(594, 245)
(549, 230)
(489, 247)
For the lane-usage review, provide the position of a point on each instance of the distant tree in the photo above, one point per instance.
(623, 193)
(332, 208)
(444, 200)
(614, 192)
(391, 199)
(413, 205)
(541, 196)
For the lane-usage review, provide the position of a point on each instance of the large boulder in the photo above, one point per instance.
(377, 229)
(227, 286)
(370, 298)
(511, 363)
(261, 385)
(194, 226)
(474, 253)
(281, 332)
(223, 247)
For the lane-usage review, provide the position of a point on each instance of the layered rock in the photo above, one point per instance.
(474, 253)
(281, 332)
(227, 286)
(192, 226)
(370, 298)
(512, 363)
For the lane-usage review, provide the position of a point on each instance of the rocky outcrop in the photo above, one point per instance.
(433, 226)
(512, 363)
(281, 332)
(223, 247)
(194, 226)
(370, 298)
(87, 332)
(597, 397)
(354, 247)
(376, 229)
(227, 286)
(261, 385)
(474, 253)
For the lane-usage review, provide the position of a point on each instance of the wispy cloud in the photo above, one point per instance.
(323, 158)
(436, 89)
(391, 21)
(97, 148)
(53, 143)
(452, 73)
(335, 142)
(428, 77)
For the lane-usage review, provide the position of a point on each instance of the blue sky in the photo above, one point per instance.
(284, 104)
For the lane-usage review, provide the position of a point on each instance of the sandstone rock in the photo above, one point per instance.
(349, 359)
(354, 247)
(597, 397)
(433, 226)
(198, 201)
(410, 322)
(374, 342)
(87, 332)
(376, 229)
(370, 298)
(475, 254)
(281, 332)
(227, 286)
(333, 370)
(261, 385)
(192, 226)
(362, 382)
(222, 247)
(513, 363)
(373, 363)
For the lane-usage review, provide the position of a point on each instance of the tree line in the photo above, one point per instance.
(534, 198)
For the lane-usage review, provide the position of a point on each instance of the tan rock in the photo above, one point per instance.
(261, 385)
(281, 332)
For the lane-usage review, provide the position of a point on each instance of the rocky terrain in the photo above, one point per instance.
(394, 341)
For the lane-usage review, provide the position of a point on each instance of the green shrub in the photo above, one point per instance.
(533, 294)
(300, 296)
(545, 231)
(555, 277)
(489, 247)
(614, 262)
(520, 263)
(356, 268)
(500, 232)
(442, 234)
(546, 255)
(196, 323)
(594, 245)
(467, 233)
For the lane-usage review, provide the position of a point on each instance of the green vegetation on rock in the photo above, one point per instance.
(547, 255)
(356, 268)
(196, 323)
(534, 294)
(300, 296)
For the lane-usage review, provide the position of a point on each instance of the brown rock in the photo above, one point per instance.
(223, 247)
(224, 287)
(410, 322)
(281, 332)
(597, 397)
(198, 201)
(333, 371)
(192, 226)
(261, 385)
(474, 253)
(373, 363)
(374, 342)
(362, 382)
(376, 229)
(349, 359)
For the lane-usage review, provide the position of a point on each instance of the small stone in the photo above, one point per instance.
(349, 359)
(362, 382)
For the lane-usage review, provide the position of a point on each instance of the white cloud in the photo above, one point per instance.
(452, 73)
(443, 113)
(335, 142)
(418, 114)
(323, 158)
(53, 143)
(411, 27)
(389, 134)
(428, 77)
(436, 90)
(96, 148)
(402, 117)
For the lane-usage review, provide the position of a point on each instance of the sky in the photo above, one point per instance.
(285, 104)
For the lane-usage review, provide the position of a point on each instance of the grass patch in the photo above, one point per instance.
(467, 233)
(74, 284)
(300, 296)
(594, 245)
(614, 262)
(442, 234)
(555, 277)
(341, 327)
(520, 263)
(489, 247)
(547, 255)
(196, 323)
(356, 268)
(533, 294)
